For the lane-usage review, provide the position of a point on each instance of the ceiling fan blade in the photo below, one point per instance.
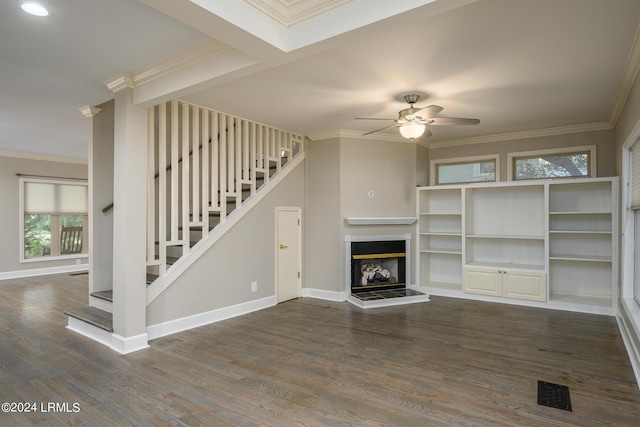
(371, 118)
(452, 121)
(378, 130)
(428, 112)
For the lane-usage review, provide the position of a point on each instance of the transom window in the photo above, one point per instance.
(465, 170)
(556, 163)
(54, 219)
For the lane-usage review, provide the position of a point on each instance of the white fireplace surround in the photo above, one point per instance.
(349, 238)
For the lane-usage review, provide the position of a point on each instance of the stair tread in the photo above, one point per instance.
(93, 316)
(105, 295)
(151, 278)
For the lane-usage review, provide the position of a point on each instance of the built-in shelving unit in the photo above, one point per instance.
(581, 242)
(546, 243)
(440, 225)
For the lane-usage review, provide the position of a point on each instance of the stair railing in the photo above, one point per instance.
(202, 166)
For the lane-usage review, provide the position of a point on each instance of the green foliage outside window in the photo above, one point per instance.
(564, 165)
(37, 235)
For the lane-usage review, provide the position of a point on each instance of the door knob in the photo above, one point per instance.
(283, 246)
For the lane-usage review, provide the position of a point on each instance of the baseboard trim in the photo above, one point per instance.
(89, 331)
(18, 274)
(126, 345)
(117, 343)
(185, 323)
(628, 319)
(325, 295)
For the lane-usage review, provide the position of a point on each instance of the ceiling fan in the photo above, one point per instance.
(412, 122)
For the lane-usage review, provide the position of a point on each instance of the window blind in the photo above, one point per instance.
(635, 175)
(52, 198)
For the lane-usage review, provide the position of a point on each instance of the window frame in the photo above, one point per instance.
(590, 150)
(55, 222)
(434, 164)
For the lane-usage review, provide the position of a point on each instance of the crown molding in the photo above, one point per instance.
(89, 111)
(290, 12)
(628, 79)
(184, 60)
(561, 130)
(121, 82)
(343, 133)
(42, 157)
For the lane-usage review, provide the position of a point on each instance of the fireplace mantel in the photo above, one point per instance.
(380, 220)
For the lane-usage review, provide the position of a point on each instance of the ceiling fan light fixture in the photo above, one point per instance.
(412, 130)
(34, 8)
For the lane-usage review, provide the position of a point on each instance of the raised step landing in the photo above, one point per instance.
(103, 295)
(387, 298)
(93, 316)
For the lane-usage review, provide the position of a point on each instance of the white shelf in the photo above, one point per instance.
(604, 232)
(585, 258)
(599, 301)
(453, 286)
(441, 251)
(501, 236)
(580, 213)
(506, 266)
(441, 233)
(441, 214)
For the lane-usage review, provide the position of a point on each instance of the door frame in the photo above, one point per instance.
(279, 209)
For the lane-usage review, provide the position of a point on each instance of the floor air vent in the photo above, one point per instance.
(554, 395)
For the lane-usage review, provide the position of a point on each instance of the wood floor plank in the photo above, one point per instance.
(317, 363)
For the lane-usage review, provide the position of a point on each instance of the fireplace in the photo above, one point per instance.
(377, 271)
(378, 265)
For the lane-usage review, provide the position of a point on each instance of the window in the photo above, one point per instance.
(634, 205)
(556, 163)
(54, 219)
(465, 170)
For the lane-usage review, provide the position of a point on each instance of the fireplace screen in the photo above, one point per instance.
(377, 265)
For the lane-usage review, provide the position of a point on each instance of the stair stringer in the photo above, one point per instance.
(155, 289)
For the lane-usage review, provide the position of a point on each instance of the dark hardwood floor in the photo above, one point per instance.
(309, 362)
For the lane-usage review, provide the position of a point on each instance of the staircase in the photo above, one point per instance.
(204, 167)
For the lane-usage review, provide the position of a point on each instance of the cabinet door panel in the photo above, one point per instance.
(529, 286)
(483, 282)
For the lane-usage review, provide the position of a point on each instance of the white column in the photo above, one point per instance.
(129, 223)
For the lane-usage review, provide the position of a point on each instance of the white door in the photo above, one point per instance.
(288, 253)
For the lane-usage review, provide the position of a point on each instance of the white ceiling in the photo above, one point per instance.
(517, 65)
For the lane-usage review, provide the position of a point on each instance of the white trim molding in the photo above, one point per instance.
(117, 343)
(43, 158)
(90, 111)
(201, 319)
(44, 271)
(387, 220)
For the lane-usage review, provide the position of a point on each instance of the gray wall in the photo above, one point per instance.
(222, 277)
(604, 140)
(101, 194)
(340, 174)
(323, 224)
(10, 207)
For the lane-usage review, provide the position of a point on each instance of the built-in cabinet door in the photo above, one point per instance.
(506, 283)
(525, 285)
(483, 282)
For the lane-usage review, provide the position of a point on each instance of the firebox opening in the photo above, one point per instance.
(377, 265)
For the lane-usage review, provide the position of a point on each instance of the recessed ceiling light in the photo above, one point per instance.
(34, 8)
